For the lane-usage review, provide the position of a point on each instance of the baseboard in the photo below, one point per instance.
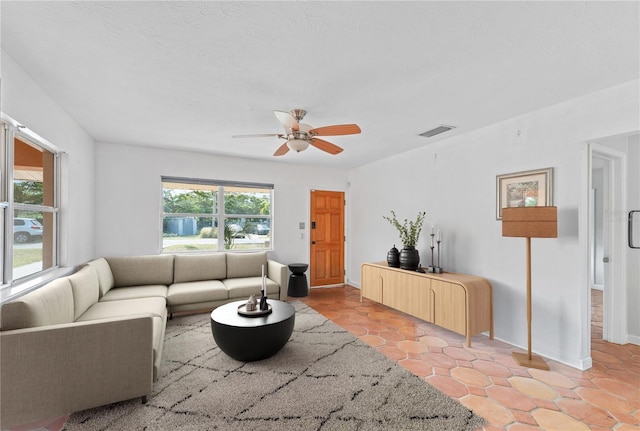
(633, 339)
(585, 363)
(351, 283)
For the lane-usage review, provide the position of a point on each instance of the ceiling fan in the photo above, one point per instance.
(300, 135)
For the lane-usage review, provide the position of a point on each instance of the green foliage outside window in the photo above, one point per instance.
(246, 203)
(191, 201)
(28, 192)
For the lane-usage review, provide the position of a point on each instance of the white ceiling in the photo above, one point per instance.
(191, 74)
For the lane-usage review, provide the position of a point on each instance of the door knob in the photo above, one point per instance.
(313, 242)
(605, 259)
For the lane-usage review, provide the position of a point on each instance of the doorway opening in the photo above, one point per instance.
(600, 200)
(607, 268)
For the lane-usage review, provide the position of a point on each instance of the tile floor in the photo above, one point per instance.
(485, 377)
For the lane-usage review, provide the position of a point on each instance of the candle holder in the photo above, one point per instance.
(263, 302)
(263, 291)
(431, 247)
(432, 268)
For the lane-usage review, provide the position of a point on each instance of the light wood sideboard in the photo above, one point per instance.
(458, 302)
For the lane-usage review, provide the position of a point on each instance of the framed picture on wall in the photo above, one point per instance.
(524, 189)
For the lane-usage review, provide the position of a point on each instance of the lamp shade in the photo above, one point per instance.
(298, 144)
(530, 222)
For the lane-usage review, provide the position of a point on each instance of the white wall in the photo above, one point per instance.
(24, 101)
(129, 188)
(454, 181)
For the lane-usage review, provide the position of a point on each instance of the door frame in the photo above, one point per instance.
(593, 225)
(346, 228)
(614, 294)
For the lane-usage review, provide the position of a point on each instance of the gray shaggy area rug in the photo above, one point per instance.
(323, 379)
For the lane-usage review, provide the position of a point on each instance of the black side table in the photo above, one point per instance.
(298, 280)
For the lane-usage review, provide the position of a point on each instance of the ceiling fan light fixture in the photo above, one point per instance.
(299, 136)
(297, 145)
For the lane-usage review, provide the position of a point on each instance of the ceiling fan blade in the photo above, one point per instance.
(282, 150)
(323, 145)
(338, 129)
(287, 120)
(263, 135)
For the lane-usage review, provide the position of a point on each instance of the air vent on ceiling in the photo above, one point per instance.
(437, 130)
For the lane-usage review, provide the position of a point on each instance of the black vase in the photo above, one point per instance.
(409, 258)
(263, 302)
(393, 257)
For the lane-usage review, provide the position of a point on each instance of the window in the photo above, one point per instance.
(28, 203)
(210, 215)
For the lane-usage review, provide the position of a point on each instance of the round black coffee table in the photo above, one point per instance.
(252, 338)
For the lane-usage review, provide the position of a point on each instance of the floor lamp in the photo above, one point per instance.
(530, 222)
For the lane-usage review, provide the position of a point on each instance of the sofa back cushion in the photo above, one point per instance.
(246, 264)
(105, 277)
(85, 288)
(51, 304)
(141, 270)
(198, 267)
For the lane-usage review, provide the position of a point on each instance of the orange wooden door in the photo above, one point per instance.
(327, 238)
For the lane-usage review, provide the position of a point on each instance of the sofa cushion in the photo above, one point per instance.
(51, 304)
(105, 277)
(199, 267)
(125, 308)
(85, 288)
(132, 292)
(158, 332)
(196, 291)
(243, 287)
(141, 270)
(246, 264)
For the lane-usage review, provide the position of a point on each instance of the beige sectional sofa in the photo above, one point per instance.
(95, 337)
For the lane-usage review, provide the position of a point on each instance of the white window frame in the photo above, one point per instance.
(12, 129)
(220, 216)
